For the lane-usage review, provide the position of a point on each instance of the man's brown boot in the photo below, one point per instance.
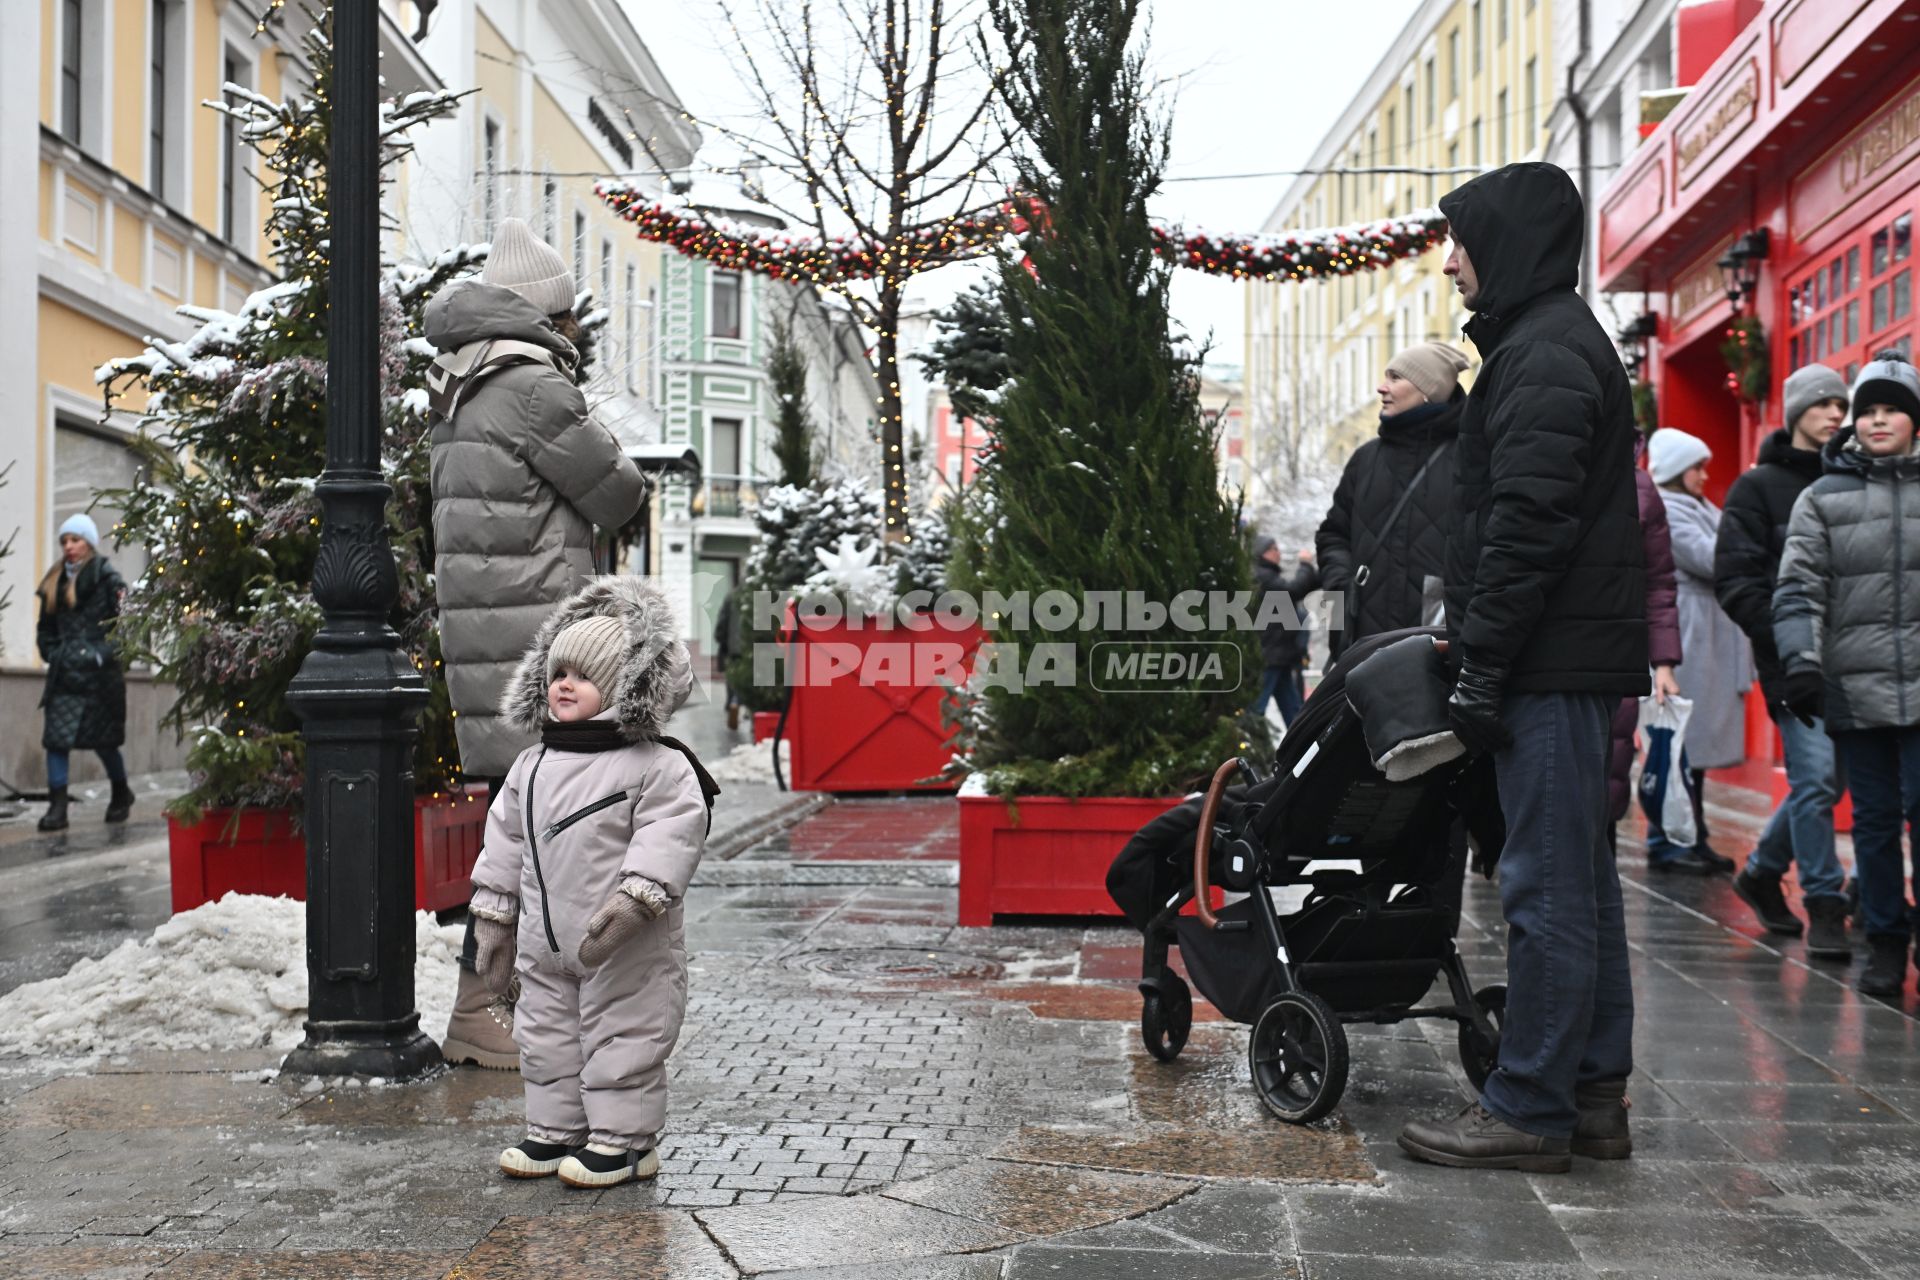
(1601, 1131)
(481, 1028)
(1478, 1139)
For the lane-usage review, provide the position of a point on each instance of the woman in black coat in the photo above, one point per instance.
(86, 696)
(1383, 556)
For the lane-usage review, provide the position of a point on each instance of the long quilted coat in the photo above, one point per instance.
(86, 696)
(521, 475)
(1663, 635)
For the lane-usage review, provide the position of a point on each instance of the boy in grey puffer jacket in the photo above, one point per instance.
(577, 892)
(1846, 620)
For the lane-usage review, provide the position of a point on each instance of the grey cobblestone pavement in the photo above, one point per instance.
(865, 1091)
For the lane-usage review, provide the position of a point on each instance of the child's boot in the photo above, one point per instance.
(599, 1165)
(481, 1029)
(532, 1158)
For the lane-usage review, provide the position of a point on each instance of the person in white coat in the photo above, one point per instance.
(1719, 664)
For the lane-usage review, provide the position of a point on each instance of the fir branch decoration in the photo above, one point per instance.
(1749, 369)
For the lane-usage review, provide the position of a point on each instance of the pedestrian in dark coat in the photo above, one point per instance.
(1664, 649)
(1283, 648)
(1392, 577)
(1746, 569)
(85, 698)
(1845, 616)
(1547, 615)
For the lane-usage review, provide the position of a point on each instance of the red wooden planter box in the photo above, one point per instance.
(866, 711)
(765, 725)
(263, 854)
(1052, 860)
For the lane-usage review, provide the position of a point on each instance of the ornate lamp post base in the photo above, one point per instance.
(396, 1050)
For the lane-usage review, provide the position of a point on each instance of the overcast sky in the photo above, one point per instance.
(1255, 85)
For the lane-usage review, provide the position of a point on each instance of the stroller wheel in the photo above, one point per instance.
(1298, 1057)
(1477, 1055)
(1166, 1016)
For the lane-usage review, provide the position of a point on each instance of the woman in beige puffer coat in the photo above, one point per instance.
(577, 892)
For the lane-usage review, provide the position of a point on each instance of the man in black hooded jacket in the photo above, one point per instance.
(1546, 611)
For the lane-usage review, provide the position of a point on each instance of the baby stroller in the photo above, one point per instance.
(1368, 941)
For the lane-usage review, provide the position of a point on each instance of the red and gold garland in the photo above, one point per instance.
(783, 255)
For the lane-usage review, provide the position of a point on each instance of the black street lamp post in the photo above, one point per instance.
(357, 694)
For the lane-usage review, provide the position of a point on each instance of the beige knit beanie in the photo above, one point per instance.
(595, 647)
(1433, 367)
(526, 264)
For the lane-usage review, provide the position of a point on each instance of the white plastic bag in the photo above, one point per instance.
(1664, 795)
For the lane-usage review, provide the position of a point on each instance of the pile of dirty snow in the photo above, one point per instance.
(748, 762)
(228, 975)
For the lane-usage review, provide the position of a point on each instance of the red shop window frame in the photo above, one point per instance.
(1857, 298)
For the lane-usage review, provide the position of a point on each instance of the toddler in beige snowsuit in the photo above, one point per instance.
(577, 892)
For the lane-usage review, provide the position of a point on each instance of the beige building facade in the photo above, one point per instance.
(1466, 87)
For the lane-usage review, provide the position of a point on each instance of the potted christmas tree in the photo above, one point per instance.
(232, 438)
(1101, 479)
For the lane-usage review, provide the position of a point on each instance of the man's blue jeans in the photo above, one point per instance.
(1569, 1012)
(1801, 829)
(1280, 684)
(1883, 772)
(59, 764)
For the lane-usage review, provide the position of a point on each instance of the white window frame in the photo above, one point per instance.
(172, 186)
(96, 83)
(236, 217)
(713, 279)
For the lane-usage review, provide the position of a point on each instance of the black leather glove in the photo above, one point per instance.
(1474, 708)
(1805, 695)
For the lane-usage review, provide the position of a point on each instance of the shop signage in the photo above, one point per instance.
(1631, 210)
(1733, 106)
(1803, 31)
(1867, 157)
(1699, 286)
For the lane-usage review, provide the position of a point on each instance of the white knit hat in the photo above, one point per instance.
(81, 524)
(596, 647)
(1672, 451)
(526, 264)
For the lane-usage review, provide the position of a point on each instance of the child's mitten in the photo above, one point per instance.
(494, 947)
(632, 905)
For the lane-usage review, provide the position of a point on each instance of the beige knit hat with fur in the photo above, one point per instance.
(595, 647)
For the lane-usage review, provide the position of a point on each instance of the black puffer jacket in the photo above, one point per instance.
(1753, 534)
(1545, 572)
(1281, 645)
(1399, 561)
(86, 695)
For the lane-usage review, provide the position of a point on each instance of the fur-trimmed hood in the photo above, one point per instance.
(656, 676)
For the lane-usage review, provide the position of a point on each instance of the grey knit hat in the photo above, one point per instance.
(595, 647)
(1433, 367)
(1264, 543)
(1888, 379)
(1807, 386)
(521, 261)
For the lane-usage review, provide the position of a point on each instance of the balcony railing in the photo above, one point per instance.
(724, 495)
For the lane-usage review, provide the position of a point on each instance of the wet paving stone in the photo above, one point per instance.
(601, 1246)
(1645, 1240)
(149, 1102)
(80, 1262)
(1056, 1263)
(1038, 1200)
(964, 1267)
(336, 1264)
(1326, 1221)
(1276, 1153)
(1321, 1266)
(844, 1230)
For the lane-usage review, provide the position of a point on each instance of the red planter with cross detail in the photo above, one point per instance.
(867, 702)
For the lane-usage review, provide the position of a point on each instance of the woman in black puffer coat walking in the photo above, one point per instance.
(86, 696)
(1383, 545)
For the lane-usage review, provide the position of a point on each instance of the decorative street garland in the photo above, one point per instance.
(783, 255)
(1749, 371)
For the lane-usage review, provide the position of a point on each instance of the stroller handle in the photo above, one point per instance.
(1203, 841)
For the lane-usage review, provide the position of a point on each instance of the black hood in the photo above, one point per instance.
(1778, 450)
(1522, 226)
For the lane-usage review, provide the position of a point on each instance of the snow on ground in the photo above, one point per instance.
(228, 975)
(748, 762)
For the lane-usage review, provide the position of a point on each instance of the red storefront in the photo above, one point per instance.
(1804, 124)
